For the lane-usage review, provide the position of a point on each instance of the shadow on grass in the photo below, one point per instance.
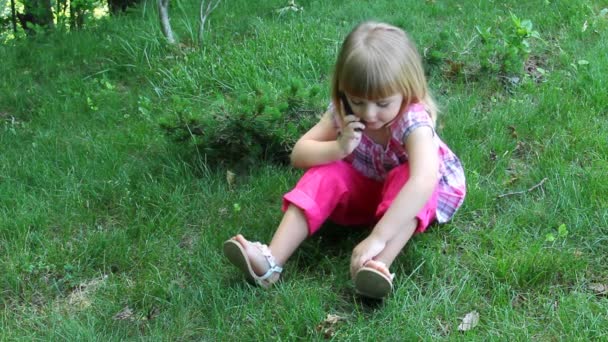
(332, 240)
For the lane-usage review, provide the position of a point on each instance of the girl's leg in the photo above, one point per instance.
(323, 191)
(292, 231)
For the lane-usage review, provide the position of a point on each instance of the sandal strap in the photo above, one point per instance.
(270, 259)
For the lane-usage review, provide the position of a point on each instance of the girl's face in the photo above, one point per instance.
(377, 113)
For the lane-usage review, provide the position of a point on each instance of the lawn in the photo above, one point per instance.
(110, 229)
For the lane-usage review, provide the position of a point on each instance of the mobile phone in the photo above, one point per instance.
(347, 108)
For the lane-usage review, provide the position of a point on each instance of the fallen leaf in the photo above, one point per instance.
(328, 326)
(333, 319)
(445, 328)
(291, 6)
(125, 314)
(188, 241)
(455, 68)
(153, 313)
(541, 71)
(469, 321)
(79, 298)
(518, 301)
(493, 155)
(511, 180)
(513, 132)
(599, 289)
(513, 80)
(585, 25)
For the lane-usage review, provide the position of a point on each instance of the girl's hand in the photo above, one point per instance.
(366, 250)
(350, 135)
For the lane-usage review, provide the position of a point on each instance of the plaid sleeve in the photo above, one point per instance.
(416, 116)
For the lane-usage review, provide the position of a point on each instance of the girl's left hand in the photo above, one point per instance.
(365, 251)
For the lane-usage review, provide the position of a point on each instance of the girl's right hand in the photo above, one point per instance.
(350, 134)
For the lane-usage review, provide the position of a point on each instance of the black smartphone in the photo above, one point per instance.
(347, 108)
(349, 111)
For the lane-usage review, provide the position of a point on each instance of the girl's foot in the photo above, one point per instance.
(254, 259)
(258, 261)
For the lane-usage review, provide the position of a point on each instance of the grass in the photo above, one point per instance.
(110, 231)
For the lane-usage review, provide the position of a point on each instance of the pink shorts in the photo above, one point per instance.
(341, 194)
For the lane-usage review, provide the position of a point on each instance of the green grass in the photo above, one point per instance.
(100, 212)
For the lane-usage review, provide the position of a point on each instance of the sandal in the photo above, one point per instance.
(370, 282)
(235, 252)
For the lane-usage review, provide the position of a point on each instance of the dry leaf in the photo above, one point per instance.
(125, 314)
(513, 132)
(493, 155)
(291, 6)
(518, 301)
(445, 328)
(79, 297)
(469, 321)
(599, 289)
(188, 241)
(333, 319)
(328, 325)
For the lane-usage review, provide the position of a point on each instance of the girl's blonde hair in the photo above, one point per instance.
(378, 60)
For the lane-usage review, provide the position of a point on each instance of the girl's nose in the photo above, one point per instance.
(369, 113)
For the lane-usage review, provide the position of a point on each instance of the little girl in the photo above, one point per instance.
(373, 159)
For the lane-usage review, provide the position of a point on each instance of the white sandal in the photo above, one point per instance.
(235, 252)
(370, 282)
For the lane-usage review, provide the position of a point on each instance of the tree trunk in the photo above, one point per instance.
(14, 16)
(163, 11)
(76, 15)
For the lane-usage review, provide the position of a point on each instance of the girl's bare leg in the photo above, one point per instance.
(292, 231)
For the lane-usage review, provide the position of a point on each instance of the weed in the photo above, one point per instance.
(506, 51)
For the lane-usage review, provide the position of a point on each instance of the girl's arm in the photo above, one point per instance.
(423, 162)
(320, 145)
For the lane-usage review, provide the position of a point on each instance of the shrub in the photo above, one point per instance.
(506, 52)
(262, 127)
